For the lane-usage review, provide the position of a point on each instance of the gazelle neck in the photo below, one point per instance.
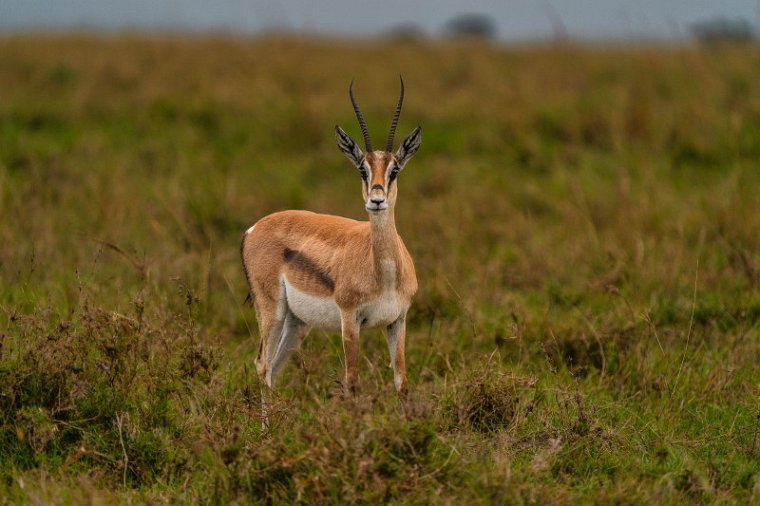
(384, 242)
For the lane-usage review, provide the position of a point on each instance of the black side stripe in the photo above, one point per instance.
(303, 263)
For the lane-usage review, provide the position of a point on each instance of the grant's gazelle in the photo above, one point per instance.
(308, 270)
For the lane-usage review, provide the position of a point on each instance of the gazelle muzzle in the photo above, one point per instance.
(377, 199)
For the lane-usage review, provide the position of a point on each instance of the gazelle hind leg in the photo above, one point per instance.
(293, 332)
(271, 320)
(268, 327)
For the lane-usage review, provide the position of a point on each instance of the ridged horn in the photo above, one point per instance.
(394, 123)
(360, 118)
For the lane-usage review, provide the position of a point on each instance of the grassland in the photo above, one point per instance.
(585, 225)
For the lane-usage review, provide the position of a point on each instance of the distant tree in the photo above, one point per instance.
(406, 32)
(478, 26)
(723, 30)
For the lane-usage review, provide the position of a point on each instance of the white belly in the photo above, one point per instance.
(317, 312)
(323, 312)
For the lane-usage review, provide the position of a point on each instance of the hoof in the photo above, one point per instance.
(351, 389)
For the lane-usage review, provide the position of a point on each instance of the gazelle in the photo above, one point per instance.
(308, 270)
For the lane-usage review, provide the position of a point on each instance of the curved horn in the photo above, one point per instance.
(359, 117)
(389, 145)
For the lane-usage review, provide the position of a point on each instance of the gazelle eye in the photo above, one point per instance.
(393, 174)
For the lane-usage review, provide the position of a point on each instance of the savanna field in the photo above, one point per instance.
(585, 224)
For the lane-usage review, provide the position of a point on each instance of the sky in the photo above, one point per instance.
(514, 19)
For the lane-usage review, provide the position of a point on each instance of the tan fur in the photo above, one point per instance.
(354, 263)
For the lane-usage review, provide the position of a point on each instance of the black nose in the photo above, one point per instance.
(377, 187)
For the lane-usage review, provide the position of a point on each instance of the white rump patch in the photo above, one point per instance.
(250, 229)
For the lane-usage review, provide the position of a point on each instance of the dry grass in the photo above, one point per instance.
(584, 224)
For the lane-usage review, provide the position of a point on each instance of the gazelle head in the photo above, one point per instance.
(378, 168)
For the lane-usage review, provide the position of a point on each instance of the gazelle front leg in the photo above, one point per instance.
(349, 328)
(396, 333)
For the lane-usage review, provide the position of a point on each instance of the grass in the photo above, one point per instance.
(584, 224)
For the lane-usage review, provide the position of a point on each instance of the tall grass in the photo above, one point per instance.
(584, 224)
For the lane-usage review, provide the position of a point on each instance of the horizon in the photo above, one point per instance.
(519, 21)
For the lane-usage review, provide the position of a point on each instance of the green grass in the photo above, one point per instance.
(584, 224)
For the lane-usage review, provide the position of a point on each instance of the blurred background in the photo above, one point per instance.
(515, 20)
(583, 215)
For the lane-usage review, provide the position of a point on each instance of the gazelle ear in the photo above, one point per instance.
(409, 147)
(348, 147)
